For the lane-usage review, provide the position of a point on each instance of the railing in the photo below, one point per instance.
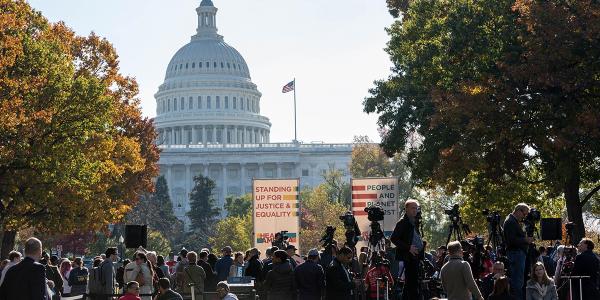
(254, 147)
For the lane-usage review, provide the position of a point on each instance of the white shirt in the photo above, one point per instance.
(10, 264)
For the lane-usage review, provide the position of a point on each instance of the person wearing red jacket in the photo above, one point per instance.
(132, 291)
(376, 278)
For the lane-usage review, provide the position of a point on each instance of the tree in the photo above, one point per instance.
(238, 206)
(75, 151)
(234, 231)
(495, 88)
(336, 186)
(156, 211)
(202, 212)
(318, 211)
(369, 160)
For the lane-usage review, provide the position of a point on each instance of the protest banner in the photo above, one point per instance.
(276, 208)
(369, 192)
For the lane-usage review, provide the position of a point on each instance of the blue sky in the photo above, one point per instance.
(334, 48)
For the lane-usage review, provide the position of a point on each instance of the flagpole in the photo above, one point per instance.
(295, 131)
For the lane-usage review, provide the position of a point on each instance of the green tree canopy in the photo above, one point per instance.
(238, 206)
(203, 211)
(234, 231)
(156, 211)
(495, 88)
(318, 212)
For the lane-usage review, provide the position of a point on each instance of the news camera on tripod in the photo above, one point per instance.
(409, 247)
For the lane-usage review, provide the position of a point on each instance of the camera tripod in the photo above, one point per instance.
(456, 229)
(376, 241)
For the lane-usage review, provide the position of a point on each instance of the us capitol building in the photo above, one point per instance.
(209, 122)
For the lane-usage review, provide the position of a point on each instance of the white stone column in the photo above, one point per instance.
(194, 137)
(205, 170)
(171, 139)
(182, 135)
(224, 135)
(170, 182)
(235, 134)
(204, 139)
(188, 186)
(278, 170)
(224, 182)
(214, 134)
(242, 178)
(260, 170)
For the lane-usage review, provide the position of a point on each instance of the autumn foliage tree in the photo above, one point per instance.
(75, 150)
(496, 88)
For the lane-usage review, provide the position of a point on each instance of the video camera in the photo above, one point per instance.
(453, 213)
(375, 213)
(280, 240)
(530, 220)
(352, 231)
(348, 219)
(327, 238)
(492, 217)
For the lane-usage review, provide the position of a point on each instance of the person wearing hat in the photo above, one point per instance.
(310, 277)
(223, 265)
(291, 252)
(280, 280)
(223, 291)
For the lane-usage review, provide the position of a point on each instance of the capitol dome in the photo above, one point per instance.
(207, 97)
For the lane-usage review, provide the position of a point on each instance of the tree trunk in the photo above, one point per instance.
(8, 243)
(574, 207)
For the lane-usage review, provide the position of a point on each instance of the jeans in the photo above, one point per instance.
(516, 269)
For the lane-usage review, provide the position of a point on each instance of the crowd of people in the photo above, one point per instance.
(403, 269)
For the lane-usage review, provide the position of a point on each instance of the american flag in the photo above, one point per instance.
(288, 87)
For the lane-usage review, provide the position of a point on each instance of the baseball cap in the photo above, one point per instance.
(313, 252)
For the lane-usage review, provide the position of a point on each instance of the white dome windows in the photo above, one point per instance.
(191, 103)
(226, 102)
(208, 102)
(234, 103)
(199, 102)
(217, 102)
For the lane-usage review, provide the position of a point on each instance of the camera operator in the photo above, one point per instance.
(409, 246)
(516, 248)
(280, 240)
(586, 264)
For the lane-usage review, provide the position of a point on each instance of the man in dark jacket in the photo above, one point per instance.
(586, 264)
(223, 264)
(209, 282)
(26, 280)
(310, 277)
(279, 282)
(339, 283)
(517, 245)
(408, 247)
(255, 266)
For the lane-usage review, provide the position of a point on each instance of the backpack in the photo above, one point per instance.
(96, 282)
